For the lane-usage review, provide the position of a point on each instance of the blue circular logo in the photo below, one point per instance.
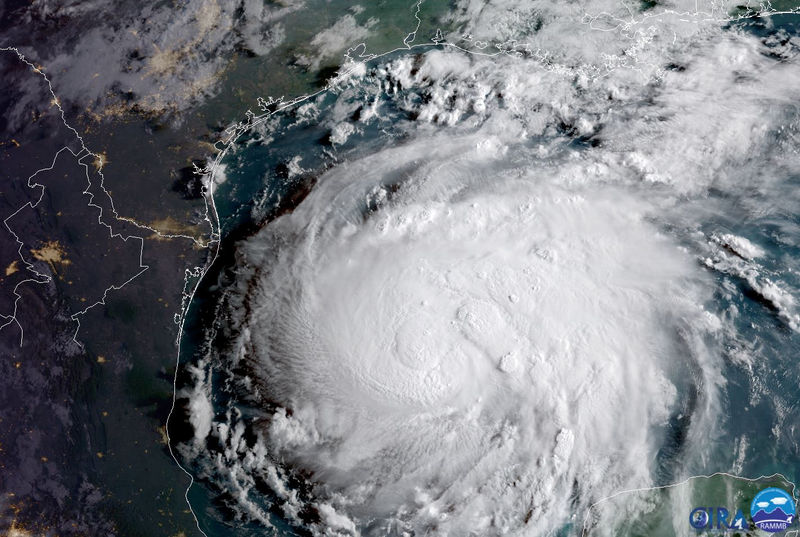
(772, 510)
(699, 518)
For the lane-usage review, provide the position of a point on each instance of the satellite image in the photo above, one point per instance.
(399, 268)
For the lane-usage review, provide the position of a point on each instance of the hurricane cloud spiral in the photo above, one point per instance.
(513, 309)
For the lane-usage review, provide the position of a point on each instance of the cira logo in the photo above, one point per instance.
(772, 510)
(719, 518)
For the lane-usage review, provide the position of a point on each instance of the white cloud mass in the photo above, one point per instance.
(488, 327)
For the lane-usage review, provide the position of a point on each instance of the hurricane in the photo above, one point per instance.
(521, 294)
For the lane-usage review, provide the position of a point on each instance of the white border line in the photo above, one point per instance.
(587, 519)
(80, 156)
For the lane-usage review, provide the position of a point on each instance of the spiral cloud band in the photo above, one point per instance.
(465, 348)
(524, 302)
